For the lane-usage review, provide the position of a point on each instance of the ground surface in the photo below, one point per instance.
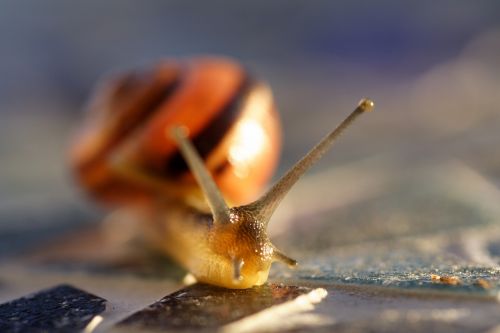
(428, 262)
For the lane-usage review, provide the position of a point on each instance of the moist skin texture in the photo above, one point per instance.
(207, 250)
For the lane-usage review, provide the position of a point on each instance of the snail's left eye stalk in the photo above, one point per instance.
(214, 197)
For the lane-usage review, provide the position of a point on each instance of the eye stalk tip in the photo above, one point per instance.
(179, 131)
(366, 105)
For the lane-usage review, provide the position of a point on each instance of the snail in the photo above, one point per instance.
(192, 142)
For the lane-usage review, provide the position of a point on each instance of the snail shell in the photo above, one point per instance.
(230, 118)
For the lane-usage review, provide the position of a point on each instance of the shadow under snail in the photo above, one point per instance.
(191, 142)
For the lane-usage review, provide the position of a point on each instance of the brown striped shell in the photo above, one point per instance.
(230, 118)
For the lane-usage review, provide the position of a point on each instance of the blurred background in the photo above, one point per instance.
(426, 160)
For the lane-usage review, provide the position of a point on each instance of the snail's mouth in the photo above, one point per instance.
(257, 278)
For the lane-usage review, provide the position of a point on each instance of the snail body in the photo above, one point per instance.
(194, 141)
